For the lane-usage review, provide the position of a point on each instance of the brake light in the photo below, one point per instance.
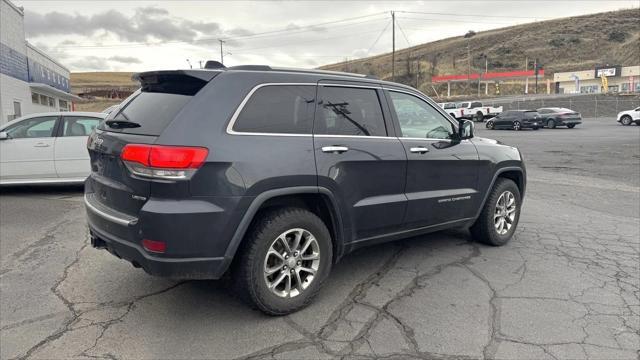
(163, 162)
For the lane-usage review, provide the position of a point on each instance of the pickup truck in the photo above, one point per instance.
(474, 110)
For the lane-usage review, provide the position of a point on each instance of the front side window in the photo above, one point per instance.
(278, 109)
(418, 119)
(39, 127)
(79, 125)
(349, 111)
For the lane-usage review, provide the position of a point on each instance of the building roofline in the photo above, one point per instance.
(32, 47)
(18, 9)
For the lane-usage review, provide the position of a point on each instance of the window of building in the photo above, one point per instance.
(280, 109)
(350, 111)
(43, 100)
(52, 102)
(418, 119)
(35, 98)
(64, 106)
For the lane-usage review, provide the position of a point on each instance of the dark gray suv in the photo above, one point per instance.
(272, 175)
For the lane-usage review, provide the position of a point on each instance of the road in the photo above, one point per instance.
(566, 287)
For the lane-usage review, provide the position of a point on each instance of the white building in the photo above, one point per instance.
(30, 80)
(620, 79)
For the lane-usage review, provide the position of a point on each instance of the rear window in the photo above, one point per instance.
(278, 109)
(161, 97)
(152, 111)
(530, 114)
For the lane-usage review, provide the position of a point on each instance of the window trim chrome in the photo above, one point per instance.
(244, 102)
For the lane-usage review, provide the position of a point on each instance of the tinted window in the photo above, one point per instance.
(476, 104)
(545, 111)
(32, 128)
(530, 114)
(350, 111)
(152, 111)
(79, 125)
(418, 119)
(283, 109)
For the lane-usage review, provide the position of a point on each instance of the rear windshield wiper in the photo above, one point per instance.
(122, 124)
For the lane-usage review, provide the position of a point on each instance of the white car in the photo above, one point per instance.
(46, 148)
(629, 117)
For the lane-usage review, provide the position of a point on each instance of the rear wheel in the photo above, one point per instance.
(499, 217)
(517, 126)
(478, 117)
(551, 124)
(571, 126)
(286, 258)
(626, 120)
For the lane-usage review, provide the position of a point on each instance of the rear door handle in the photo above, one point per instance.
(41, 145)
(419, 149)
(335, 149)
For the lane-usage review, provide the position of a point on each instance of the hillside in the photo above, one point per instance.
(566, 44)
(84, 80)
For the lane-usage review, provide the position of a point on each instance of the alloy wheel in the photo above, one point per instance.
(291, 263)
(505, 212)
(516, 125)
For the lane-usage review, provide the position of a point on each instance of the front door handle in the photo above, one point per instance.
(41, 145)
(419, 149)
(335, 149)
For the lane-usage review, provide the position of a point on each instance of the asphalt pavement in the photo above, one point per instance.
(566, 287)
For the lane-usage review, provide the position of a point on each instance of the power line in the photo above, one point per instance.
(379, 36)
(403, 34)
(465, 21)
(475, 15)
(286, 31)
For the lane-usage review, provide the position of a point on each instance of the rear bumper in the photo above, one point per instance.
(178, 268)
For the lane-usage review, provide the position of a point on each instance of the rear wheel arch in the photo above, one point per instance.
(319, 201)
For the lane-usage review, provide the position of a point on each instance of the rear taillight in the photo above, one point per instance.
(163, 162)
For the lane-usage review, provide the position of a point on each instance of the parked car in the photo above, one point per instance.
(555, 116)
(46, 148)
(629, 117)
(516, 120)
(447, 106)
(474, 110)
(208, 171)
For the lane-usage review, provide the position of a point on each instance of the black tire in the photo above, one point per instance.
(484, 230)
(626, 120)
(478, 117)
(517, 126)
(551, 124)
(490, 125)
(571, 126)
(249, 276)
(536, 128)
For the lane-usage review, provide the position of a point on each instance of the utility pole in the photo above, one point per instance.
(200, 63)
(418, 73)
(535, 67)
(393, 46)
(221, 53)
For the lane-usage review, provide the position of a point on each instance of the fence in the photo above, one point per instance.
(590, 106)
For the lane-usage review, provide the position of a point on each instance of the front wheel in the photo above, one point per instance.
(286, 257)
(536, 128)
(571, 126)
(626, 120)
(478, 117)
(490, 125)
(517, 126)
(499, 217)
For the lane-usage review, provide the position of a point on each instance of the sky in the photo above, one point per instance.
(151, 35)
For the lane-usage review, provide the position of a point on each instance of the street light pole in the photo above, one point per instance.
(393, 46)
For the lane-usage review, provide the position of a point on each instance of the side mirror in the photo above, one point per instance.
(465, 129)
(4, 135)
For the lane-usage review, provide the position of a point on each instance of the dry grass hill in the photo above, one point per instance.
(565, 44)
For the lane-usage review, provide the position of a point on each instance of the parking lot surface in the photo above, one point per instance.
(566, 287)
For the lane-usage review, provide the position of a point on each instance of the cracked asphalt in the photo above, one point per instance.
(566, 287)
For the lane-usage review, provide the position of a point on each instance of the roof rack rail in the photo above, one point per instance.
(251, 67)
(294, 70)
(320, 71)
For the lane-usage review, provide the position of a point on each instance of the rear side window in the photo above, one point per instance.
(530, 114)
(349, 111)
(476, 104)
(278, 109)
